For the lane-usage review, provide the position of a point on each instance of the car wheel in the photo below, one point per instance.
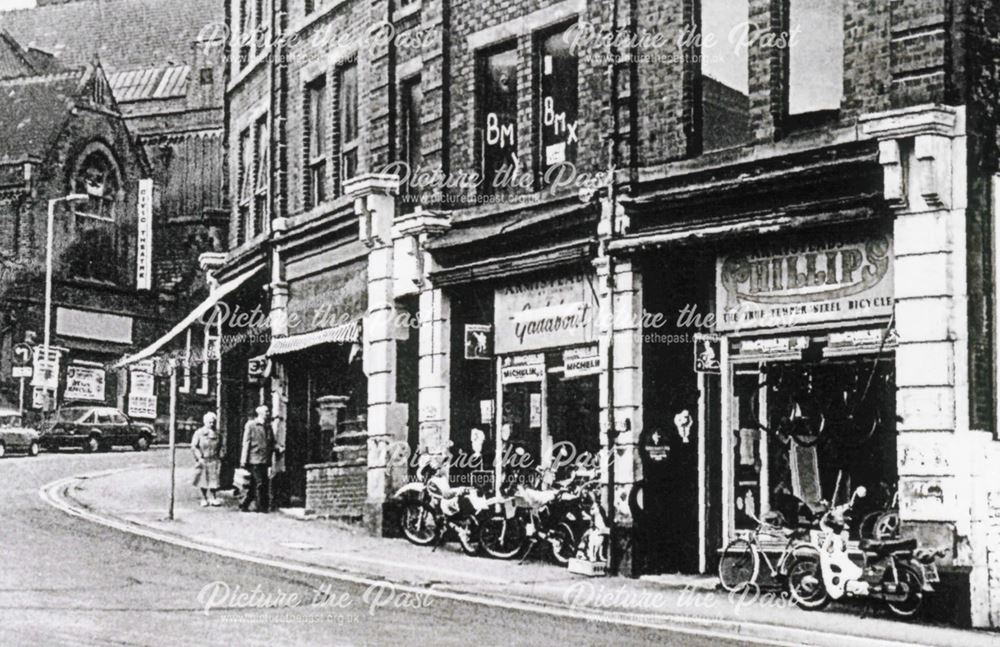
(93, 445)
(141, 444)
(33, 449)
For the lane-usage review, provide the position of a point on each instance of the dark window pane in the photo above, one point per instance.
(816, 56)
(412, 97)
(317, 119)
(559, 101)
(725, 74)
(497, 118)
(348, 107)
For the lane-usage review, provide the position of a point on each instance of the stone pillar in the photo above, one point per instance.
(435, 334)
(374, 203)
(943, 463)
(620, 318)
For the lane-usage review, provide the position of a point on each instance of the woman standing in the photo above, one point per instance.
(208, 450)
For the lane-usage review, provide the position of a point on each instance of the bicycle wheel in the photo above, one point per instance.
(739, 565)
(805, 581)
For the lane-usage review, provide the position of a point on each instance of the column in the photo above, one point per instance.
(943, 463)
(374, 203)
(620, 319)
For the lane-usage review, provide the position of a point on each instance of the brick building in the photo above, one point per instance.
(807, 186)
(164, 65)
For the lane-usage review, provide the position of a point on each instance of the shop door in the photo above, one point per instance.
(299, 420)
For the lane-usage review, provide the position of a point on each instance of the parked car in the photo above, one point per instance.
(14, 436)
(95, 429)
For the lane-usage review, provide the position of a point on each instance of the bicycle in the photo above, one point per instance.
(739, 566)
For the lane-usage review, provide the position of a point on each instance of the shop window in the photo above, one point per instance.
(347, 113)
(496, 128)
(245, 187)
(725, 74)
(808, 433)
(316, 148)
(558, 102)
(411, 98)
(262, 176)
(815, 56)
(94, 252)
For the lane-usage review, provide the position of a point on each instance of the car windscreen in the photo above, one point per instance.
(69, 415)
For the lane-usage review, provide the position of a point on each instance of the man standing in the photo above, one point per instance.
(258, 444)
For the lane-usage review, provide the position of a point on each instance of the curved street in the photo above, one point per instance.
(66, 581)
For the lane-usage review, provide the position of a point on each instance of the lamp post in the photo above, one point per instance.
(72, 197)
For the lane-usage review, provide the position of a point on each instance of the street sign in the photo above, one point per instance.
(23, 354)
(21, 371)
(46, 373)
(256, 368)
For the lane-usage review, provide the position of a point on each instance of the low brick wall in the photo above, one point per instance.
(337, 489)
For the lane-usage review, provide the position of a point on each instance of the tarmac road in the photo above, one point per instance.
(67, 581)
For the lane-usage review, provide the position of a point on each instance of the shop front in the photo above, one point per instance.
(806, 345)
(323, 398)
(547, 368)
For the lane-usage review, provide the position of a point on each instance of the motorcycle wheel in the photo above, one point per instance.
(563, 543)
(739, 565)
(418, 524)
(467, 531)
(805, 582)
(910, 606)
(501, 537)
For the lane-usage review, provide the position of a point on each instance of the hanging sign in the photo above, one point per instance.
(545, 313)
(84, 383)
(805, 283)
(46, 368)
(144, 244)
(478, 341)
(523, 368)
(256, 368)
(707, 349)
(578, 362)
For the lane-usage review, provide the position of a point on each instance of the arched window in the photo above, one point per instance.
(94, 253)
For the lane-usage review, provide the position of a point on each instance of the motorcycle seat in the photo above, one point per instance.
(887, 547)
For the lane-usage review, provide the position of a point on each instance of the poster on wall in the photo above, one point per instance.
(478, 341)
(707, 349)
(142, 406)
(141, 378)
(782, 286)
(523, 368)
(84, 383)
(545, 313)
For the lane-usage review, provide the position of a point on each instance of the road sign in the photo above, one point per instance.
(23, 354)
(22, 371)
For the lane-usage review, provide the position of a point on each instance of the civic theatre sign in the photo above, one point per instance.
(804, 283)
(545, 313)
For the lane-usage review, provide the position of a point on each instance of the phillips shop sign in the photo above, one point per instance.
(545, 313)
(805, 283)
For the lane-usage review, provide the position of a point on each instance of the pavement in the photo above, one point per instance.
(135, 500)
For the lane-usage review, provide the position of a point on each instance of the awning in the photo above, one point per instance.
(192, 317)
(345, 333)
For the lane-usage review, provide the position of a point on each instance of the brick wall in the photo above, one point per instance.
(337, 489)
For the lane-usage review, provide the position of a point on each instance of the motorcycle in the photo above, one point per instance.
(433, 511)
(553, 517)
(895, 572)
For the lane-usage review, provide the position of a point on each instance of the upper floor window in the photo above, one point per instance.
(245, 192)
(262, 24)
(559, 100)
(411, 137)
(94, 253)
(496, 127)
(245, 34)
(262, 180)
(815, 56)
(316, 148)
(725, 74)
(347, 112)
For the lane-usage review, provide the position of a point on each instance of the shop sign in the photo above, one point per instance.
(38, 398)
(805, 283)
(523, 368)
(84, 383)
(545, 313)
(141, 406)
(707, 350)
(777, 346)
(478, 341)
(578, 362)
